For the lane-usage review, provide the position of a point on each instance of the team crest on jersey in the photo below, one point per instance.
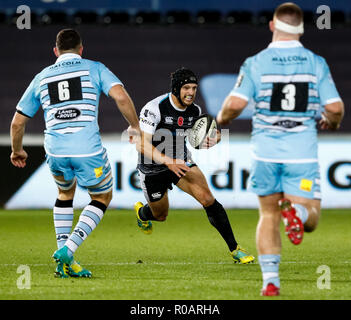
(67, 114)
(180, 121)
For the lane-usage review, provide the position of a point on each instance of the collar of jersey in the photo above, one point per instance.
(173, 105)
(285, 44)
(67, 56)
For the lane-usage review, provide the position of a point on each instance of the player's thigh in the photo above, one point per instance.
(66, 189)
(93, 173)
(63, 176)
(155, 187)
(102, 192)
(160, 208)
(194, 183)
(264, 179)
(268, 205)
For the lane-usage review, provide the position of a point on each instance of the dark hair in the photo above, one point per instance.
(179, 78)
(290, 12)
(68, 39)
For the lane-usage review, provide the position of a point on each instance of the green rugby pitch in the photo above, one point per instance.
(184, 259)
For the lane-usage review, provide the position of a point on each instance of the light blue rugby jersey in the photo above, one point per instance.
(288, 84)
(69, 93)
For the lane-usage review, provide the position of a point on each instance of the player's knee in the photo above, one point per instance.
(162, 218)
(310, 228)
(311, 225)
(104, 198)
(66, 194)
(313, 219)
(206, 199)
(160, 215)
(273, 216)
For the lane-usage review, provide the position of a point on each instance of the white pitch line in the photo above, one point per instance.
(167, 263)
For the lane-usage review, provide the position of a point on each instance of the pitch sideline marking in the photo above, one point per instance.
(165, 263)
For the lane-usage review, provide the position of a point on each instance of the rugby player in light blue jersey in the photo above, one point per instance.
(69, 92)
(288, 83)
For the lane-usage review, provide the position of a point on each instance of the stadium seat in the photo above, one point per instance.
(208, 16)
(263, 17)
(178, 17)
(85, 17)
(54, 17)
(338, 17)
(116, 17)
(148, 17)
(3, 17)
(234, 17)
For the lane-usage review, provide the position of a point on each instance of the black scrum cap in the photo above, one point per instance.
(181, 77)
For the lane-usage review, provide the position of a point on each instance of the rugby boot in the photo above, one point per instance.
(270, 291)
(293, 225)
(61, 270)
(144, 226)
(77, 271)
(63, 261)
(240, 255)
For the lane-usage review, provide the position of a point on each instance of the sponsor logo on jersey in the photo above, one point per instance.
(67, 114)
(239, 81)
(169, 120)
(98, 172)
(180, 121)
(149, 113)
(65, 63)
(145, 121)
(156, 195)
(306, 185)
(289, 59)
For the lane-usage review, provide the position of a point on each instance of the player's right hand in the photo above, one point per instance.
(178, 166)
(18, 158)
(326, 124)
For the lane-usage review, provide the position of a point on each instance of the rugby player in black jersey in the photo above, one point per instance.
(165, 160)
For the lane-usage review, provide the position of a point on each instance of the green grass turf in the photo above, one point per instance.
(184, 259)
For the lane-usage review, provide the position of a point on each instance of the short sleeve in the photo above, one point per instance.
(30, 101)
(244, 87)
(107, 79)
(149, 117)
(326, 87)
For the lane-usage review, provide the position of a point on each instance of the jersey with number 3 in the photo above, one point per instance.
(69, 92)
(288, 84)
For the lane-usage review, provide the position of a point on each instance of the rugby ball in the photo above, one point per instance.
(204, 126)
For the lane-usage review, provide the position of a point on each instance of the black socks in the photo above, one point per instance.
(145, 213)
(219, 219)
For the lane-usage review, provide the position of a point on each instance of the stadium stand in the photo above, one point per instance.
(211, 37)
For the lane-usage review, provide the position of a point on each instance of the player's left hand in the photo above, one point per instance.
(18, 158)
(212, 140)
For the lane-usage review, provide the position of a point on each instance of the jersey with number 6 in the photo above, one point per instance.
(288, 84)
(69, 92)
